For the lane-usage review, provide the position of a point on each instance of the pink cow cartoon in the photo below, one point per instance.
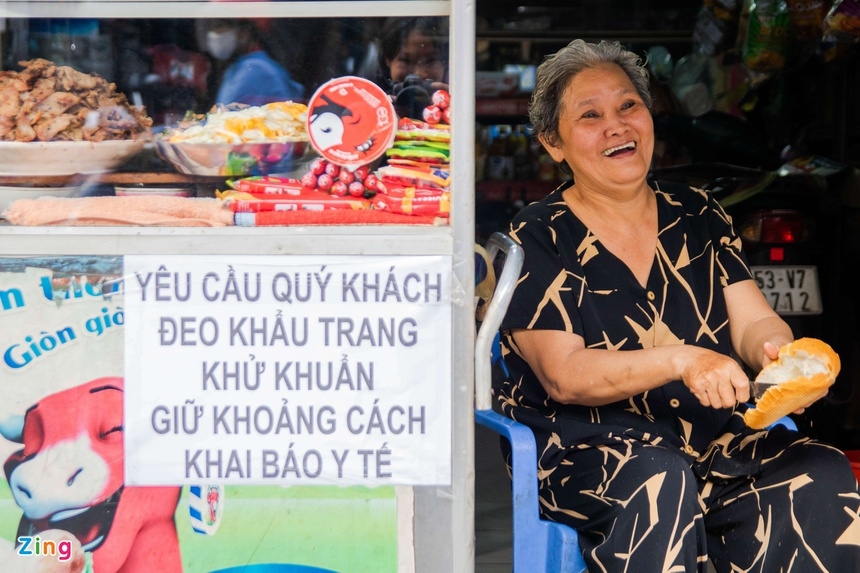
(69, 476)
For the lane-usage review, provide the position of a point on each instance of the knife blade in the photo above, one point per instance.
(757, 389)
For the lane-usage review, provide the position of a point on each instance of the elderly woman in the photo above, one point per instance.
(634, 302)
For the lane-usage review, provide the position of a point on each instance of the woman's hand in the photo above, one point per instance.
(770, 352)
(714, 379)
(802, 410)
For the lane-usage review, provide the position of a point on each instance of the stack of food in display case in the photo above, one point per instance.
(417, 177)
(373, 172)
(57, 122)
(343, 158)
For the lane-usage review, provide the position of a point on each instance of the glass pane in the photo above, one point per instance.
(160, 75)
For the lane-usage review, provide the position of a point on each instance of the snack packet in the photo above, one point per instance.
(842, 22)
(768, 38)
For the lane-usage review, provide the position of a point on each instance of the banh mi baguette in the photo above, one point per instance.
(804, 370)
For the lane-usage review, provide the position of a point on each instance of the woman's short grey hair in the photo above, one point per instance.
(556, 72)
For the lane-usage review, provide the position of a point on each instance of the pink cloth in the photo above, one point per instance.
(140, 210)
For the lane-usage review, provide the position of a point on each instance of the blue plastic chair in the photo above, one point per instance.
(784, 421)
(539, 545)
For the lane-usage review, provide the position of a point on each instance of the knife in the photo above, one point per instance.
(757, 389)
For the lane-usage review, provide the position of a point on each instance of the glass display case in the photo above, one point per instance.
(320, 415)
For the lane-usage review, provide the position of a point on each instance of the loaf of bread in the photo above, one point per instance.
(804, 371)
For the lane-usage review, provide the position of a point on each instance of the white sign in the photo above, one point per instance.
(295, 370)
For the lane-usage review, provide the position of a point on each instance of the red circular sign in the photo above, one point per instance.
(351, 121)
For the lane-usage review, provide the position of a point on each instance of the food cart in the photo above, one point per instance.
(294, 397)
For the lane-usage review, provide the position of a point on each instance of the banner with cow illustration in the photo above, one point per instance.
(65, 503)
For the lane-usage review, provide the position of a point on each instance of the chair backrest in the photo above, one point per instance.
(494, 312)
(539, 545)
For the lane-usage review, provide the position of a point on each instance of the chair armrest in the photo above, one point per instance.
(539, 545)
(784, 421)
(524, 466)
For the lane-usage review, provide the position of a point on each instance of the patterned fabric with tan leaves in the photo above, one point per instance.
(654, 482)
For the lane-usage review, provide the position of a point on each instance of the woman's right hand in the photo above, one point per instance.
(715, 379)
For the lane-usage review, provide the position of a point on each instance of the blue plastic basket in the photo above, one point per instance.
(274, 568)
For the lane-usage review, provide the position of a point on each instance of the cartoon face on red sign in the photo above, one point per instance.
(351, 121)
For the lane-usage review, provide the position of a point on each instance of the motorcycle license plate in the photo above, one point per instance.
(790, 290)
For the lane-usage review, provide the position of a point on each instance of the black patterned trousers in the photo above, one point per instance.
(766, 502)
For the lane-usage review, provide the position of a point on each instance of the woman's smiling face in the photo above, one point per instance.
(606, 132)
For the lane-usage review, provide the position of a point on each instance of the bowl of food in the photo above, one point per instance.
(239, 141)
(8, 193)
(234, 159)
(79, 122)
(65, 157)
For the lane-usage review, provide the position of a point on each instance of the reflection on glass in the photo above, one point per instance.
(176, 66)
(193, 107)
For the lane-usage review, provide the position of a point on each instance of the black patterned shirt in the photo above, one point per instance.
(570, 282)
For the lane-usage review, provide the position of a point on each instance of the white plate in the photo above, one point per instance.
(9, 194)
(138, 190)
(65, 157)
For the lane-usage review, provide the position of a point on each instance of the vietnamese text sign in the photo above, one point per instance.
(288, 370)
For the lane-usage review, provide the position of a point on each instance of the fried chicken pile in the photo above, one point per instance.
(47, 102)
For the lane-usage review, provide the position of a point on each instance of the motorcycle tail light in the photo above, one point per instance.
(775, 228)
